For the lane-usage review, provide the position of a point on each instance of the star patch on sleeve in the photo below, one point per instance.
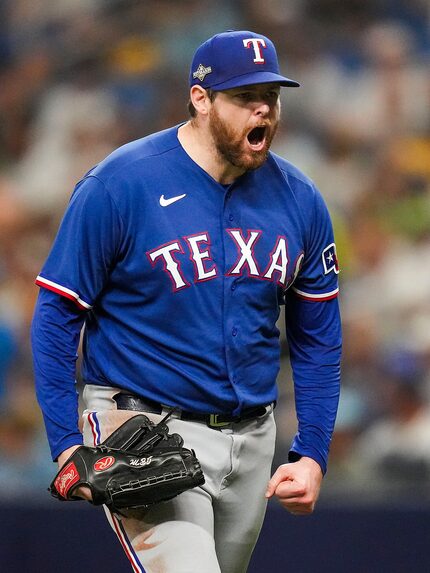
(329, 258)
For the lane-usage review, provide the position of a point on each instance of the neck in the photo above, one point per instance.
(198, 143)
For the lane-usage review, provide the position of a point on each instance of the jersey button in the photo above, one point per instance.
(230, 217)
(233, 286)
(234, 331)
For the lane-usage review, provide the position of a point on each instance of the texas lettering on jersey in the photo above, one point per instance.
(199, 247)
(206, 269)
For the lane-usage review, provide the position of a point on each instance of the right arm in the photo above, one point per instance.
(55, 333)
(72, 278)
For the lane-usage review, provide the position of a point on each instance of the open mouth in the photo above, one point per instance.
(256, 137)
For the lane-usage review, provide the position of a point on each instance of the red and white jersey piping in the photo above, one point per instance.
(316, 297)
(63, 291)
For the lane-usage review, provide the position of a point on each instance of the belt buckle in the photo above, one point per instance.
(213, 422)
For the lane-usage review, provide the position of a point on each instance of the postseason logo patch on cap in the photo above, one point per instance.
(202, 72)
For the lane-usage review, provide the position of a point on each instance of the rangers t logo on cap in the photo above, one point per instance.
(257, 44)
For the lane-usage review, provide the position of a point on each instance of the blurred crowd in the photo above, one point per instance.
(80, 77)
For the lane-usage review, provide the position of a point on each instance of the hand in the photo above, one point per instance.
(82, 491)
(297, 485)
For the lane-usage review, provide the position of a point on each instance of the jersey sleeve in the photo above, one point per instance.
(314, 337)
(55, 333)
(314, 340)
(86, 245)
(318, 268)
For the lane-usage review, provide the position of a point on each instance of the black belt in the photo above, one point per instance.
(130, 402)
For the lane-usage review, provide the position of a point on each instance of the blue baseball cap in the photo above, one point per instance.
(236, 58)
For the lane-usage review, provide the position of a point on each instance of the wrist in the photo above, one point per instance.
(65, 455)
(310, 453)
(311, 464)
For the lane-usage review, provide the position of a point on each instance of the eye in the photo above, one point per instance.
(246, 96)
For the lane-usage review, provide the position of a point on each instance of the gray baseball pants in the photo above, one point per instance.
(209, 529)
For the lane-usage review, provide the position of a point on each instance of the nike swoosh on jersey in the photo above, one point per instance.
(165, 202)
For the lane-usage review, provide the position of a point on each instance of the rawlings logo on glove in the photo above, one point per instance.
(104, 463)
(120, 477)
(67, 477)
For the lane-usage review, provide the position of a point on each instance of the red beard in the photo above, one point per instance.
(233, 147)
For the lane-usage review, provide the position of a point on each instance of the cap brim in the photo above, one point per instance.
(255, 78)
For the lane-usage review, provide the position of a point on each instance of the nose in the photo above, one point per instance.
(262, 108)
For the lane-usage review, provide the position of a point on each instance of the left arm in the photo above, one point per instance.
(314, 337)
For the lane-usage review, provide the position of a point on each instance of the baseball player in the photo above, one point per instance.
(176, 254)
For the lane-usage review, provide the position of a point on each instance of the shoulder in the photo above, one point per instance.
(292, 174)
(302, 188)
(131, 157)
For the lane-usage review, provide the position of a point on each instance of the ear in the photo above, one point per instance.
(200, 100)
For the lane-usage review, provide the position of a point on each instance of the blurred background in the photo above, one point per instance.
(80, 77)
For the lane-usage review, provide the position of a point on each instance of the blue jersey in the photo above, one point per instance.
(182, 280)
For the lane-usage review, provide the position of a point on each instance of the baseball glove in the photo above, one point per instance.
(138, 465)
